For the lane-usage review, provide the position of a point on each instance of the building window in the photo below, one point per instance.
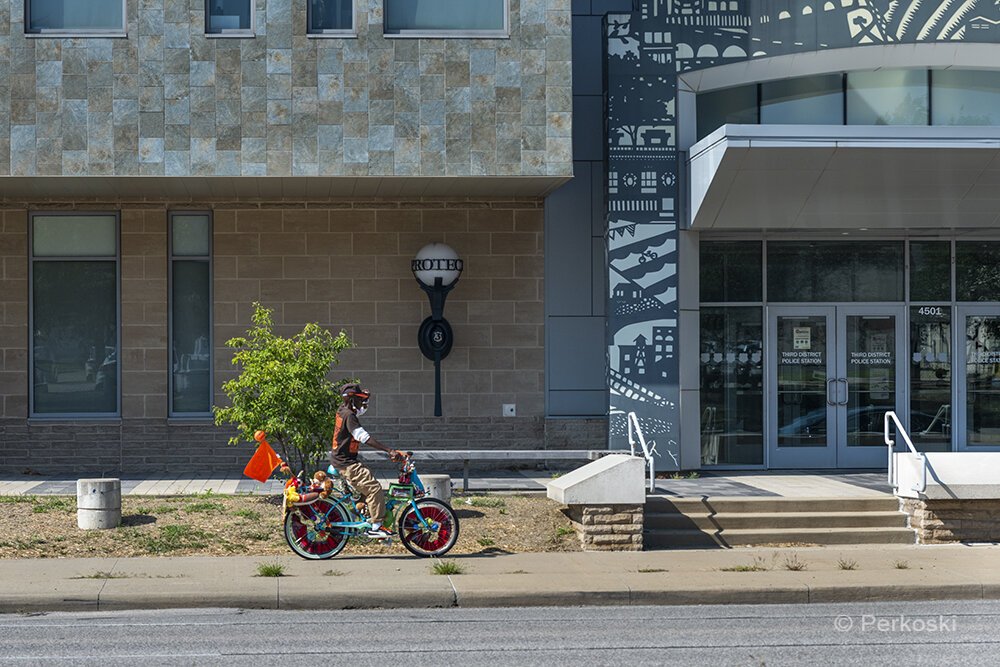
(443, 18)
(330, 17)
(74, 17)
(190, 314)
(887, 97)
(730, 105)
(730, 271)
(977, 271)
(813, 100)
(74, 315)
(229, 17)
(731, 365)
(965, 97)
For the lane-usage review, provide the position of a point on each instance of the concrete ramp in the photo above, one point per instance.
(616, 479)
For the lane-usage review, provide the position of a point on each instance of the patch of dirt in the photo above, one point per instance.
(217, 525)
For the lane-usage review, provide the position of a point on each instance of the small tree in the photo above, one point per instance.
(284, 389)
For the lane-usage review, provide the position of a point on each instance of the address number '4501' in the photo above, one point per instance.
(930, 310)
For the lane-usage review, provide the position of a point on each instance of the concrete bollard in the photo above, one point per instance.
(98, 503)
(437, 486)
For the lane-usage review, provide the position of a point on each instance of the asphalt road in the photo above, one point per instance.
(919, 633)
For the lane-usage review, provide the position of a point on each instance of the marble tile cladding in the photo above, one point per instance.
(169, 100)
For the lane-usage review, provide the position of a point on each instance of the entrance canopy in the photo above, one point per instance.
(807, 177)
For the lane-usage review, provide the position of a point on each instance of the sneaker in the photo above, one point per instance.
(380, 533)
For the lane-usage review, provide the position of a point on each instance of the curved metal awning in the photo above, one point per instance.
(812, 177)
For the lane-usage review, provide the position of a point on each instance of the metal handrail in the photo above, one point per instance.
(648, 451)
(891, 444)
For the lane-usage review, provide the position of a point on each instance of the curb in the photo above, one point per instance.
(422, 598)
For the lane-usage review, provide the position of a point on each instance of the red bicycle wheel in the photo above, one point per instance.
(309, 533)
(438, 537)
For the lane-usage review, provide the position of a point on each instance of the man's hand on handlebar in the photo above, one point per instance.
(397, 456)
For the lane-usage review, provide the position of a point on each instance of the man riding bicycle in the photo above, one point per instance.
(348, 436)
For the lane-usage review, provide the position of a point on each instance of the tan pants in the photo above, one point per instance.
(362, 480)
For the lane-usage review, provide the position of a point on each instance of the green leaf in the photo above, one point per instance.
(284, 388)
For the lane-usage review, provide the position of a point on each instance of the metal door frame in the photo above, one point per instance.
(836, 454)
(799, 457)
(872, 456)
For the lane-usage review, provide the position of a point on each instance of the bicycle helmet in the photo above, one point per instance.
(354, 396)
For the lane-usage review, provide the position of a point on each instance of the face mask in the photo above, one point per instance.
(362, 410)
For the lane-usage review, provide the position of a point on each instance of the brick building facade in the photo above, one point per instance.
(321, 166)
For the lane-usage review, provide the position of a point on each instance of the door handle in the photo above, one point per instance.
(846, 391)
(829, 384)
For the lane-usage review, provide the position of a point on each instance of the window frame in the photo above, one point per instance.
(61, 416)
(503, 33)
(171, 258)
(345, 33)
(239, 33)
(74, 32)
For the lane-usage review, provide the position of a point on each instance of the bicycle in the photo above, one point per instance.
(317, 528)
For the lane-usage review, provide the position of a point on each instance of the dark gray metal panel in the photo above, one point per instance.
(577, 352)
(588, 64)
(578, 403)
(599, 217)
(599, 258)
(567, 241)
(588, 127)
(602, 7)
(581, 7)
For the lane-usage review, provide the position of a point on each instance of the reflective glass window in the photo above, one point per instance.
(982, 380)
(732, 386)
(965, 97)
(330, 16)
(977, 271)
(729, 105)
(930, 378)
(887, 97)
(441, 16)
(74, 316)
(75, 16)
(730, 271)
(228, 16)
(930, 271)
(190, 315)
(814, 100)
(189, 234)
(799, 271)
(73, 235)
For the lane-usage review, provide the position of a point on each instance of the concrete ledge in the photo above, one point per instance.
(616, 479)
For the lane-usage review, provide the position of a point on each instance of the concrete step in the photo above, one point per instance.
(763, 520)
(693, 538)
(662, 505)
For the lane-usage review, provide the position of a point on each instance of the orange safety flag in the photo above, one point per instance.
(262, 463)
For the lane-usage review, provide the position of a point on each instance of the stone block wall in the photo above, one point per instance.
(344, 265)
(608, 527)
(167, 100)
(944, 521)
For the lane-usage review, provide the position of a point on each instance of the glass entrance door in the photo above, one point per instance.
(834, 372)
(802, 391)
(978, 421)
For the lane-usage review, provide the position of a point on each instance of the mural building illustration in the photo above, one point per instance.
(644, 52)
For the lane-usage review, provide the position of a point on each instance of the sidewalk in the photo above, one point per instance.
(235, 483)
(729, 484)
(534, 579)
